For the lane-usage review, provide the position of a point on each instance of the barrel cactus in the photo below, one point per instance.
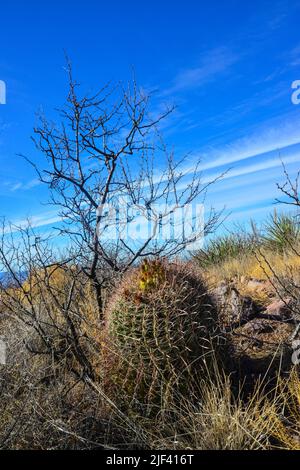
(158, 331)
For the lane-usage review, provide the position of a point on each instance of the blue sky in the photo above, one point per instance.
(228, 67)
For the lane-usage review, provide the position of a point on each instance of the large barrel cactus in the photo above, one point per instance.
(159, 331)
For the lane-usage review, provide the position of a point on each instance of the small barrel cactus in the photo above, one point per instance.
(158, 332)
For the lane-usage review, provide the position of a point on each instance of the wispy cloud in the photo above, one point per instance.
(15, 187)
(23, 186)
(40, 220)
(212, 64)
(258, 144)
(257, 167)
(295, 56)
(241, 214)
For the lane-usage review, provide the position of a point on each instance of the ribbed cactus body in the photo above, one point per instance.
(158, 332)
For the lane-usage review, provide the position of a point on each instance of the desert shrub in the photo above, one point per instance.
(159, 329)
(281, 232)
(225, 248)
(43, 406)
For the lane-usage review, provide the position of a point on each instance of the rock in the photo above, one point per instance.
(260, 290)
(255, 284)
(262, 347)
(280, 308)
(234, 309)
(260, 284)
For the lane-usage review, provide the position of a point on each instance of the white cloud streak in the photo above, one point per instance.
(212, 64)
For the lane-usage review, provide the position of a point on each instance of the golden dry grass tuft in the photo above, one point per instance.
(255, 266)
(286, 420)
(219, 421)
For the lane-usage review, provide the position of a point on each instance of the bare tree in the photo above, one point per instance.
(108, 152)
(289, 189)
(46, 295)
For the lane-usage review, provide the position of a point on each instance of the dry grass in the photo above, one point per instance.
(286, 421)
(219, 421)
(254, 266)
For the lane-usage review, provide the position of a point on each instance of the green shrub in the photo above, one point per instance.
(281, 232)
(226, 247)
(159, 330)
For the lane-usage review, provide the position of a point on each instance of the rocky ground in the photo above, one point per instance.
(260, 334)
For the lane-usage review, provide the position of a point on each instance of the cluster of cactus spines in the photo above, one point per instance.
(158, 330)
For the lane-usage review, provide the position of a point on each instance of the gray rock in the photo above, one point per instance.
(234, 309)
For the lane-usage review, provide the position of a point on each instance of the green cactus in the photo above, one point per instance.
(158, 330)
